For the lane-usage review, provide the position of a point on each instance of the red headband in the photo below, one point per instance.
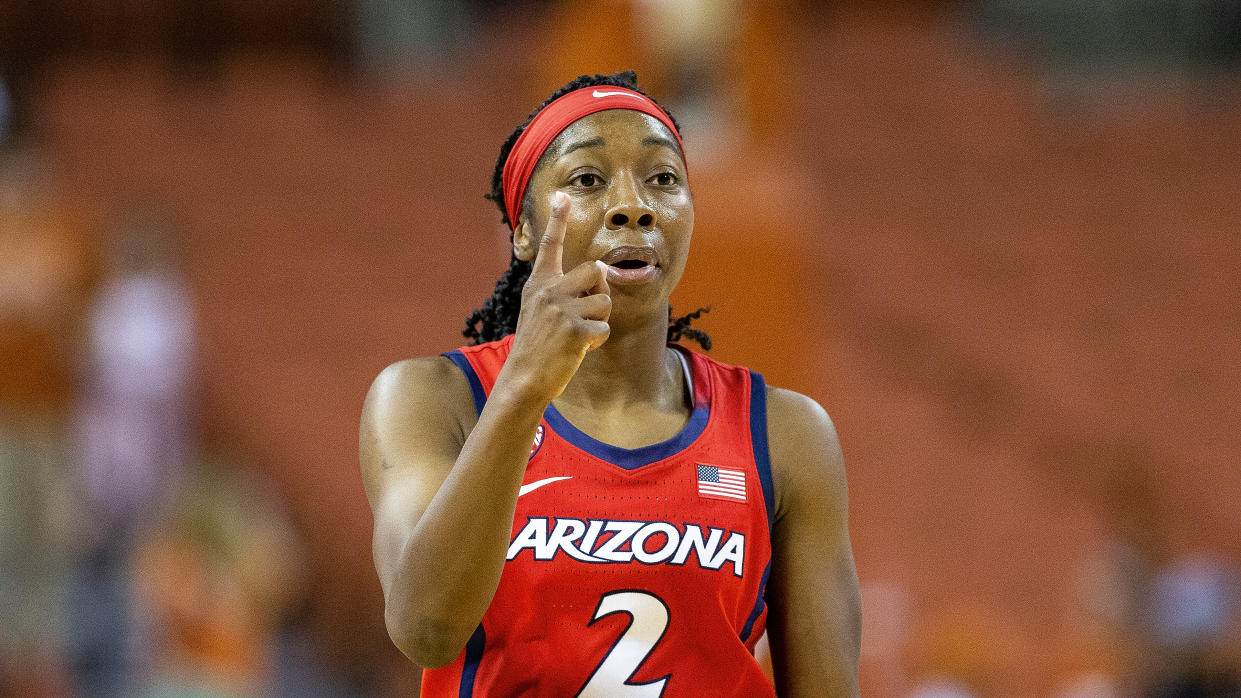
(556, 117)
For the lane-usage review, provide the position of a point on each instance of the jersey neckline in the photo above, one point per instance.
(631, 458)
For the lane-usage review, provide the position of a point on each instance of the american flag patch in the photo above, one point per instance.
(721, 483)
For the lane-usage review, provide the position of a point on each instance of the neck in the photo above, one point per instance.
(631, 367)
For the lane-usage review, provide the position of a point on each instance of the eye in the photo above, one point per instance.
(587, 180)
(665, 179)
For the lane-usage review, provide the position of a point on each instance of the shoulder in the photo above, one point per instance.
(806, 462)
(423, 381)
(437, 386)
(414, 406)
(797, 416)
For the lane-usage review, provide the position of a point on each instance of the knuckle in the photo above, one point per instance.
(543, 297)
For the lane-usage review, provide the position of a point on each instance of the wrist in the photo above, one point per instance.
(516, 392)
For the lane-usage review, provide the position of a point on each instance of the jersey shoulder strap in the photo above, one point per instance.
(481, 365)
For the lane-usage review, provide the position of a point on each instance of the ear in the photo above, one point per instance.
(523, 241)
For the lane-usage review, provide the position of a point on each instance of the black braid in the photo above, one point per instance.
(680, 327)
(498, 316)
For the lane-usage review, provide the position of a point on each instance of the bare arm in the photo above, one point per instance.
(815, 609)
(443, 488)
(443, 504)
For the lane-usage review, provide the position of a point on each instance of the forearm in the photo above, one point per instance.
(446, 567)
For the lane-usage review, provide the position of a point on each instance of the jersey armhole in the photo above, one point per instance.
(762, 463)
(758, 440)
(476, 386)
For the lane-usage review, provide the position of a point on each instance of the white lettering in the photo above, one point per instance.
(624, 530)
(734, 549)
(592, 534)
(603, 541)
(693, 540)
(533, 536)
(566, 532)
(665, 552)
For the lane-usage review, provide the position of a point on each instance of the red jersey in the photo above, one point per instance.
(630, 572)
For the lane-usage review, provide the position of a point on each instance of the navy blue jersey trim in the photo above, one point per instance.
(473, 655)
(759, 605)
(758, 439)
(628, 458)
(476, 386)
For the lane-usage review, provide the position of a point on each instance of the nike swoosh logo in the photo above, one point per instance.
(526, 489)
(597, 93)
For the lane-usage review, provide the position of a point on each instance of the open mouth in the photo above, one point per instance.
(631, 264)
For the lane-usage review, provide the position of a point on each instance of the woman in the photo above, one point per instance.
(576, 506)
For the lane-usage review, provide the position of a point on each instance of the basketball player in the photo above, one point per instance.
(576, 506)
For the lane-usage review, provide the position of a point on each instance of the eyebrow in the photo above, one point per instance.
(660, 140)
(590, 143)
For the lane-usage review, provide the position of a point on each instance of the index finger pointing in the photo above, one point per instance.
(549, 258)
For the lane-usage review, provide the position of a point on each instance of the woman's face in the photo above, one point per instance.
(630, 206)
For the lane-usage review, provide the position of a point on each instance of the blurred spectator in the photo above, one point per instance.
(43, 276)
(1193, 613)
(35, 508)
(132, 430)
(213, 586)
(45, 269)
(135, 412)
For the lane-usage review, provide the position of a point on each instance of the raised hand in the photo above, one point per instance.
(563, 315)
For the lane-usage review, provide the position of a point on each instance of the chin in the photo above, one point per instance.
(631, 309)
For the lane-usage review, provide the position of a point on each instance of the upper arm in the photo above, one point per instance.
(414, 422)
(815, 611)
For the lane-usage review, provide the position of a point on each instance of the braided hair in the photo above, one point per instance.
(498, 316)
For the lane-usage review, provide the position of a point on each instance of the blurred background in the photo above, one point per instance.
(1000, 241)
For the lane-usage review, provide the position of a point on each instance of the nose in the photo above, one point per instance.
(628, 208)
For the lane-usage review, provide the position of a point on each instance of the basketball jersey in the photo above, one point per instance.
(632, 573)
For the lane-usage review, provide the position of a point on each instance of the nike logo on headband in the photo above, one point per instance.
(597, 93)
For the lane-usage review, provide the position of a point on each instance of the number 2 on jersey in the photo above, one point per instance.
(649, 621)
